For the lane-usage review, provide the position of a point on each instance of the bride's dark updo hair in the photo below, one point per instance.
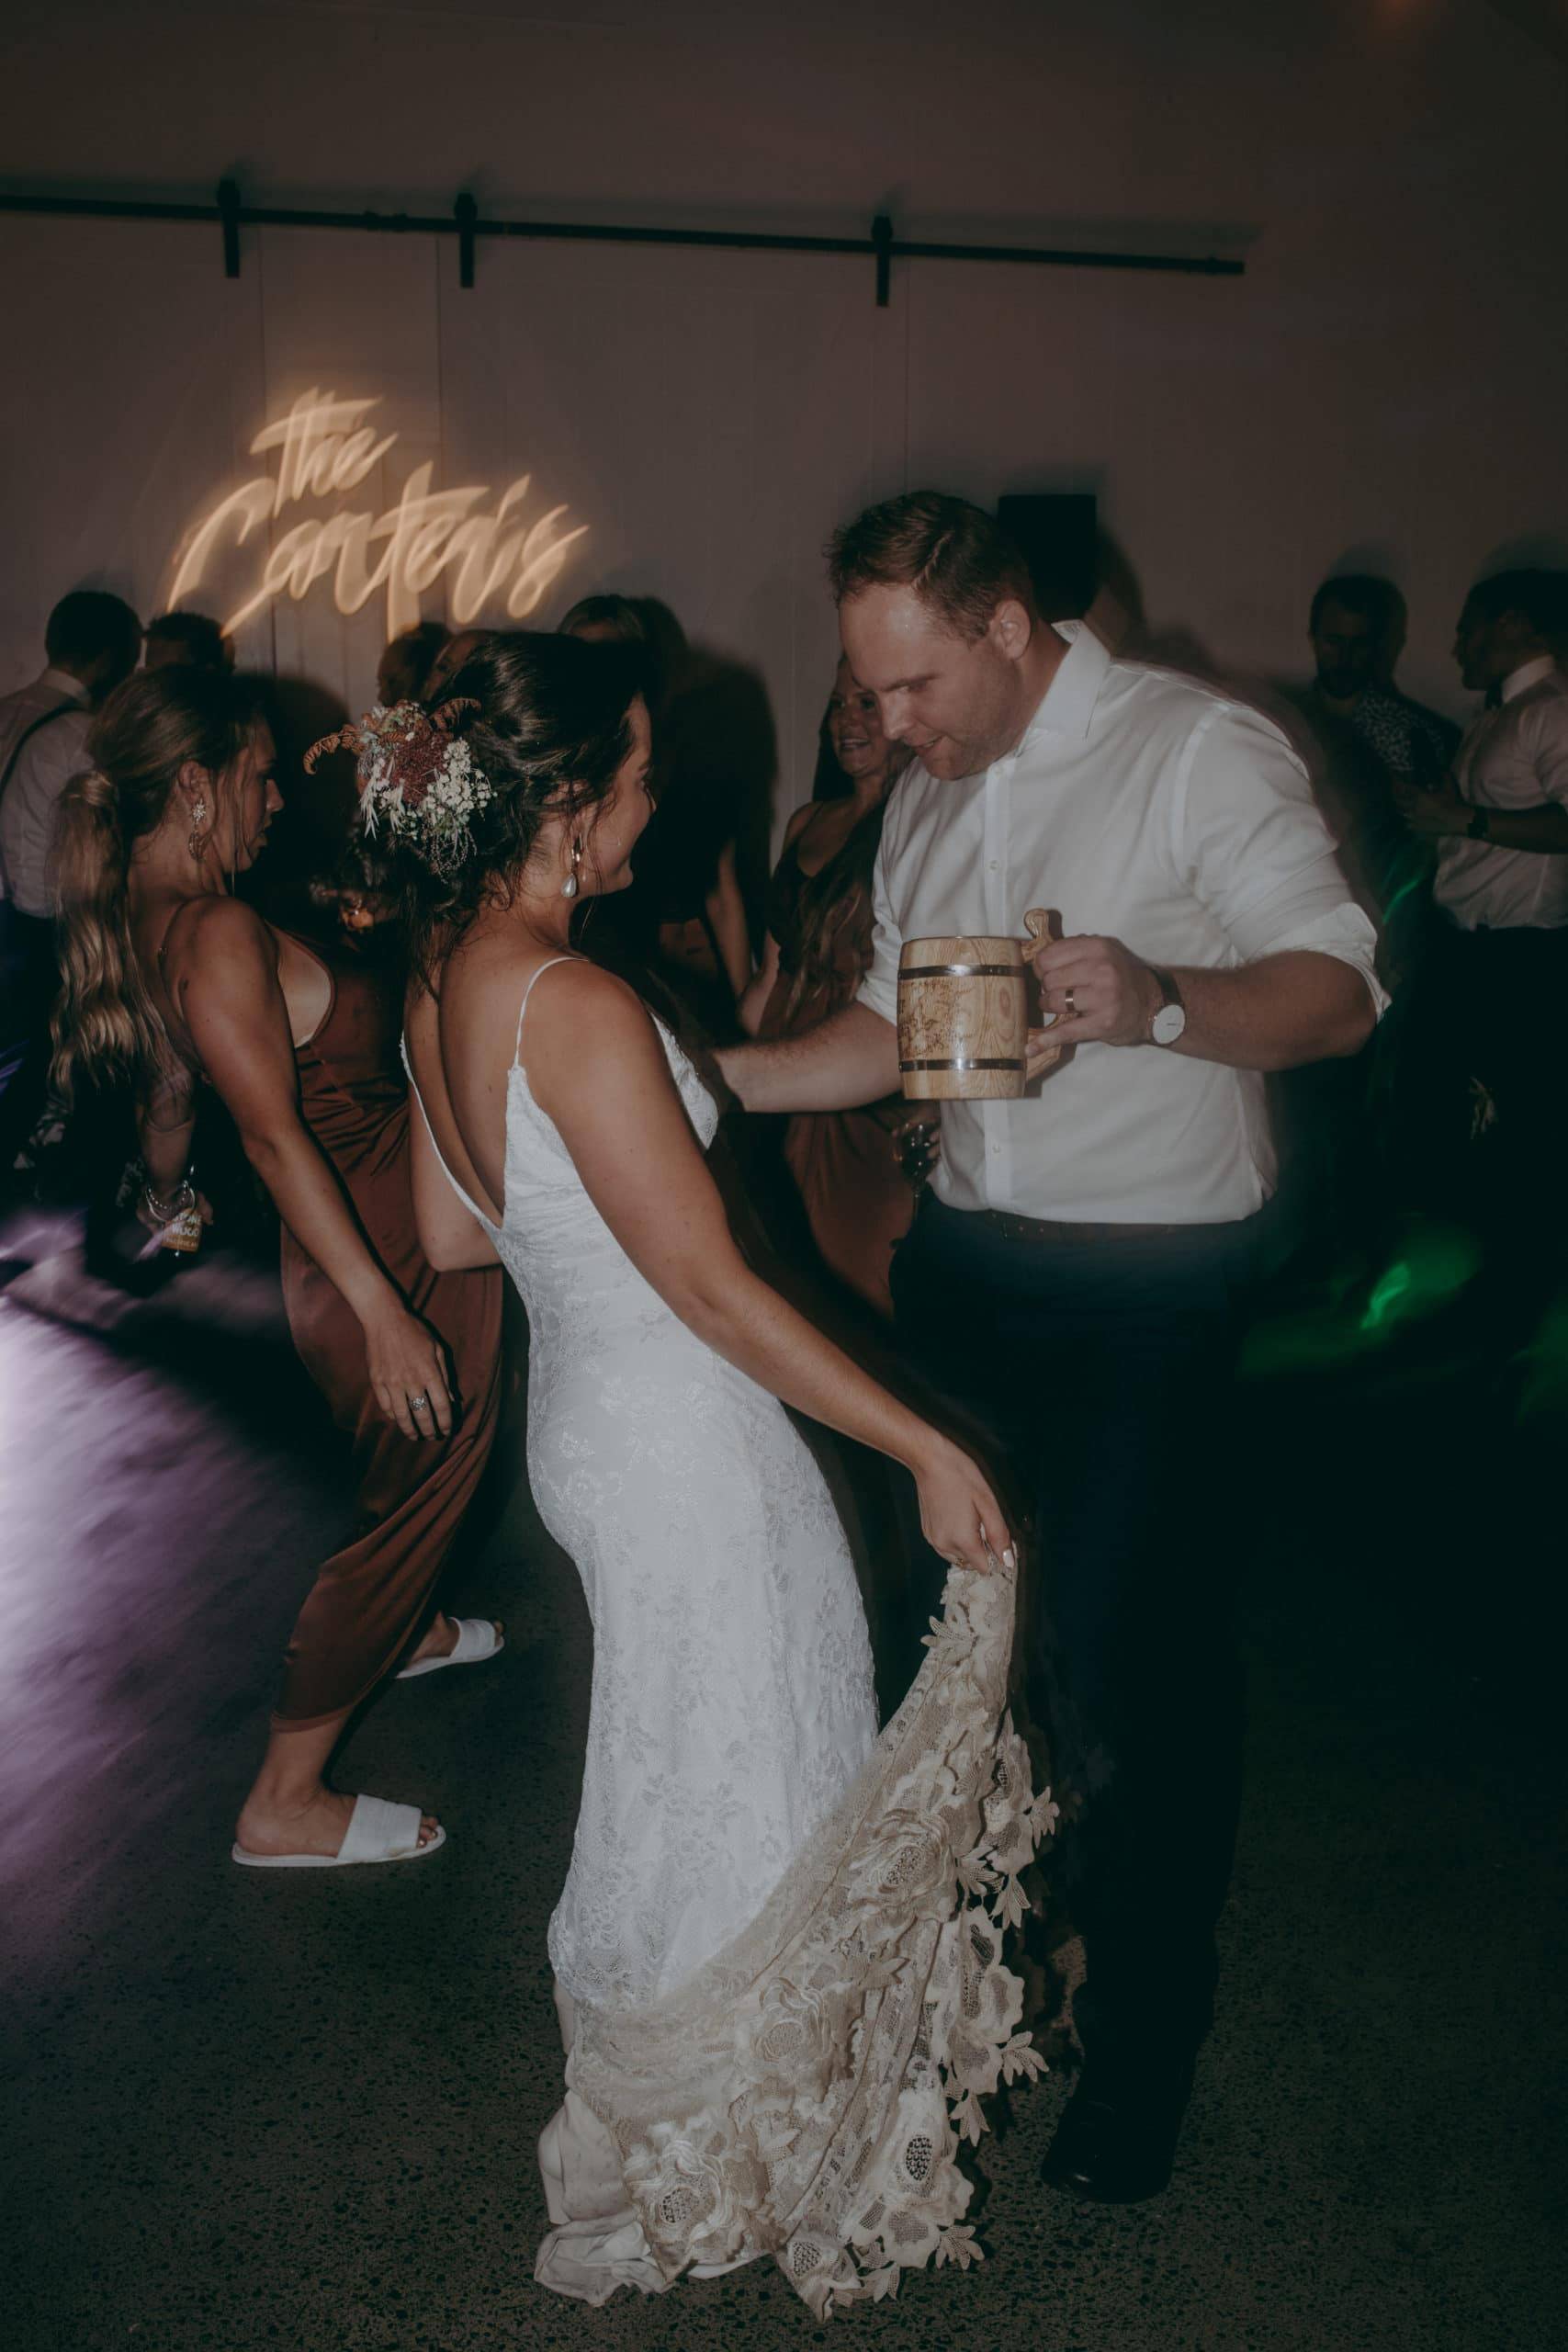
(548, 726)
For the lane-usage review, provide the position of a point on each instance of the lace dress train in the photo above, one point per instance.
(778, 1950)
(806, 2094)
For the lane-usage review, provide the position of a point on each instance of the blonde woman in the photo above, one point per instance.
(171, 983)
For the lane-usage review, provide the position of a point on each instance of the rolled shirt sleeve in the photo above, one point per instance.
(879, 988)
(1251, 844)
(1543, 740)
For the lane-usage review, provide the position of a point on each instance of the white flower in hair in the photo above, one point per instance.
(416, 778)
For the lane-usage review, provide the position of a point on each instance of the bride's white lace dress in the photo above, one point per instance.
(778, 1945)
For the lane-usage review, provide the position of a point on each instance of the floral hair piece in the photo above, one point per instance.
(415, 777)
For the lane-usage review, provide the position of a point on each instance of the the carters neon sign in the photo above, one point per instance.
(325, 450)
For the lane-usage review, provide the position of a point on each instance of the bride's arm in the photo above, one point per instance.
(622, 1119)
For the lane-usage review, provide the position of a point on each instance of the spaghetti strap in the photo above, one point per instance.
(517, 1045)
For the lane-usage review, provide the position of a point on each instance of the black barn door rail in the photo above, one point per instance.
(229, 213)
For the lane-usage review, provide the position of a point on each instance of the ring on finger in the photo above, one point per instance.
(1072, 1003)
(420, 1403)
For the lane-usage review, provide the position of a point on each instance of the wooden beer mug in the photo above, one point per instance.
(963, 1015)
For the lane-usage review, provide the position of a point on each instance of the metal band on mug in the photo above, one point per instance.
(1007, 1061)
(961, 972)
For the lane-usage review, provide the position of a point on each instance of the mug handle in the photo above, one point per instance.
(1042, 924)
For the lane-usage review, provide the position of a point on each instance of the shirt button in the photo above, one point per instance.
(995, 865)
(995, 1151)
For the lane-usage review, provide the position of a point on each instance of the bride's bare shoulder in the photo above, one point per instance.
(580, 1013)
(590, 1049)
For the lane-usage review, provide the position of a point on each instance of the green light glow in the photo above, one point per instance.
(1433, 1265)
(1386, 1295)
(1415, 882)
(1438, 1260)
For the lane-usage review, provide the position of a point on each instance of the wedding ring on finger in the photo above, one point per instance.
(420, 1403)
(1072, 1005)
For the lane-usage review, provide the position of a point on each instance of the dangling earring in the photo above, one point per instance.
(569, 887)
(198, 818)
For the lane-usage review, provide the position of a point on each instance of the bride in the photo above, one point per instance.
(777, 1953)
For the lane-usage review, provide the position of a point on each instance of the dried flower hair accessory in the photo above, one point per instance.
(416, 778)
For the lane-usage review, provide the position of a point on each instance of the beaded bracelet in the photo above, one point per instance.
(183, 1197)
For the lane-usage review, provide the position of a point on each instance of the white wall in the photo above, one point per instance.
(1387, 380)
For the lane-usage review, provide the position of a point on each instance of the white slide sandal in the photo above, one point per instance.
(478, 1638)
(378, 1831)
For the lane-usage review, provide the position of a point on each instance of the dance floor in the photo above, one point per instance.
(252, 2111)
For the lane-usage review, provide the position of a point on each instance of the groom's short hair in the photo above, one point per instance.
(956, 557)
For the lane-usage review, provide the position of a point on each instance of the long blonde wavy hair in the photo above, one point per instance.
(106, 1028)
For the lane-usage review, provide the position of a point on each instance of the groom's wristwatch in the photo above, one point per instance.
(1170, 1015)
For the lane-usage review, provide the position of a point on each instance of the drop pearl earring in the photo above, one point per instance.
(569, 887)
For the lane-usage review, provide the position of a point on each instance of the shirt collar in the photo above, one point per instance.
(1066, 707)
(1528, 674)
(61, 681)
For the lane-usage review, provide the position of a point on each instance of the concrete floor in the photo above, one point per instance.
(256, 2112)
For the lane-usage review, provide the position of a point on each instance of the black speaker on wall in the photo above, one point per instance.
(1058, 534)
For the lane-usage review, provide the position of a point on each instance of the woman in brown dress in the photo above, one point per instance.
(172, 981)
(847, 1165)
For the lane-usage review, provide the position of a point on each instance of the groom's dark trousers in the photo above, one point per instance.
(1101, 1360)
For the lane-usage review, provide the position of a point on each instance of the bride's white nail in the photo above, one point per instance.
(1009, 1558)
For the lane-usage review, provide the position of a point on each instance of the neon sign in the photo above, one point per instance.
(325, 450)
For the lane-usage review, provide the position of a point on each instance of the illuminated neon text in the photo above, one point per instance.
(325, 451)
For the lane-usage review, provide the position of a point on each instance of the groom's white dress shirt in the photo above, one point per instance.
(1147, 808)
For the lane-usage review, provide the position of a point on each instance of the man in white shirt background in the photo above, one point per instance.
(1487, 1057)
(91, 642)
(1074, 1272)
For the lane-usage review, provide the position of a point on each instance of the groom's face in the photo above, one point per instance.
(956, 701)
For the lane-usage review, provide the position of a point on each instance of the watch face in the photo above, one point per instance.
(1168, 1024)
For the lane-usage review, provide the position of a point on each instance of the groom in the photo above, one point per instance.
(1075, 1269)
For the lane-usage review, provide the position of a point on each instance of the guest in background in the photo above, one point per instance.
(187, 641)
(1357, 630)
(845, 1164)
(1370, 738)
(408, 661)
(91, 643)
(449, 660)
(1367, 739)
(170, 982)
(1495, 993)
(684, 919)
